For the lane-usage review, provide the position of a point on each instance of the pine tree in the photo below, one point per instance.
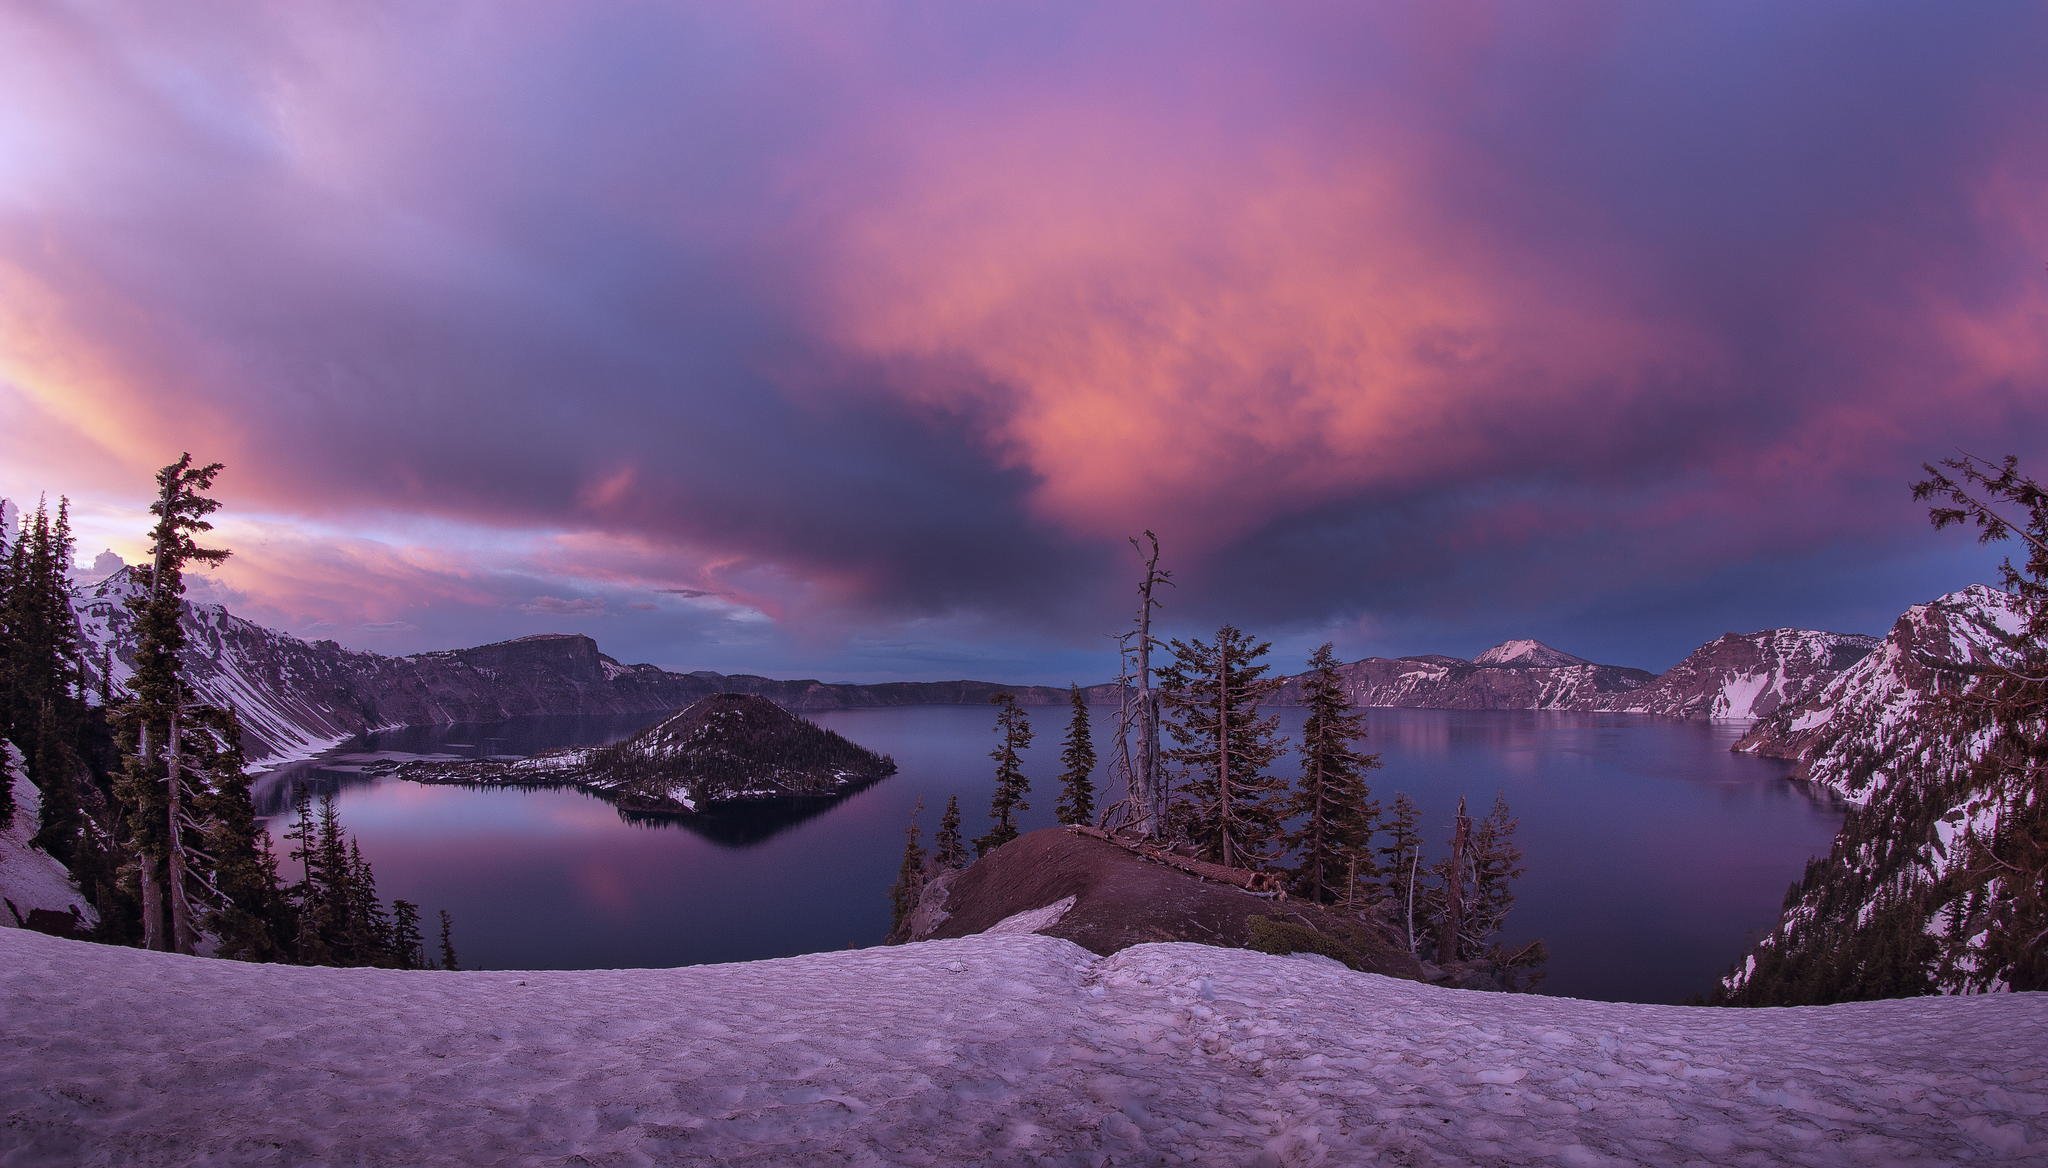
(250, 915)
(1332, 801)
(1228, 805)
(2007, 870)
(910, 875)
(157, 785)
(59, 771)
(949, 849)
(1077, 766)
(408, 947)
(1012, 785)
(1404, 865)
(1496, 865)
(448, 960)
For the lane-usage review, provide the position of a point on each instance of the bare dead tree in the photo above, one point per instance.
(1151, 782)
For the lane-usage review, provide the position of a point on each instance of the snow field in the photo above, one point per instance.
(1015, 1049)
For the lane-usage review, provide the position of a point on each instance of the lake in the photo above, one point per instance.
(1654, 854)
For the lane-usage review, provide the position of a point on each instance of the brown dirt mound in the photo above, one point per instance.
(1122, 899)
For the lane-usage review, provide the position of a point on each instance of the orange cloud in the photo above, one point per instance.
(1169, 329)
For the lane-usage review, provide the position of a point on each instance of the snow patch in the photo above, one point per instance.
(1006, 1049)
(1035, 920)
(29, 878)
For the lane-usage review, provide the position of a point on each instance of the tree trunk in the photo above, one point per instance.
(1454, 890)
(184, 935)
(1150, 800)
(145, 871)
(1223, 823)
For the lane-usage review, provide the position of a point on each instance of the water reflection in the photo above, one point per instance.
(1654, 854)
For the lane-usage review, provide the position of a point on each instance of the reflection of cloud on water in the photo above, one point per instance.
(604, 888)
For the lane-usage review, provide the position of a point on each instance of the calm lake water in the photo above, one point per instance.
(1654, 854)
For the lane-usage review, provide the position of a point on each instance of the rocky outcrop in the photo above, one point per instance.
(1115, 899)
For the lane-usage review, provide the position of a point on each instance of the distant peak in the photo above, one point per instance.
(1527, 652)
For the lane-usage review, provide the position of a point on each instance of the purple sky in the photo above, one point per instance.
(852, 339)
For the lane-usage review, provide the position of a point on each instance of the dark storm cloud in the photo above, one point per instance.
(1405, 323)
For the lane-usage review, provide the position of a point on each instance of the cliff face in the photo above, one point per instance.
(1519, 675)
(296, 697)
(1743, 676)
(1920, 892)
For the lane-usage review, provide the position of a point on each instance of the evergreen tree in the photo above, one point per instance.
(2005, 872)
(1496, 865)
(408, 947)
(950, 850)
(910, 875)
(448, 960)
(1077, 766)
(59, 774)
(1404, 866)
(1332, 802)
(1012, 785)
(250, 915)
(157, 786)
(1228, 806)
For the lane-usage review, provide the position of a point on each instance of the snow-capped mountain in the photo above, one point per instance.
(1527, 654)
(1904, 902)
(1515, 675)
(296, 698)
(1872, 723)
(1746, 676)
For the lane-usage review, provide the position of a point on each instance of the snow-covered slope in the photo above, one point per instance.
(1898, 906)
(1854, 734)
(296, 698)
(1436, 681)
(1001, 1050)
(1746, 676)
(29, 879)
(1528, 653)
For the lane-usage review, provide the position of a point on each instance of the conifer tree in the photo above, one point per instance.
(1332, 802)
(1496, 865)
(448, 960)
(1228, 804)
(1012, 785)
(2004, 872)
(59, 771)
(1404, 865)
(157, 785)
(949, 849)
(910, 875)
(249, 915)
(407, 945)
(1077, 766)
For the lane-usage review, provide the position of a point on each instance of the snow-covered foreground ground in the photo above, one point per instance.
(1004, 1049)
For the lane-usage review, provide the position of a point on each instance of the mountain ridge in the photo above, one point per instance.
(297, 698)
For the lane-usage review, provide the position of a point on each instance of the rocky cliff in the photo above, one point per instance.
(1745, 676)
(1924, 890)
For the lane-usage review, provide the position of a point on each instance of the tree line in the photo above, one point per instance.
(143, 787)
(1195, 748)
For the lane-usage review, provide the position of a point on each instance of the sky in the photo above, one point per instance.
(854, 340)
